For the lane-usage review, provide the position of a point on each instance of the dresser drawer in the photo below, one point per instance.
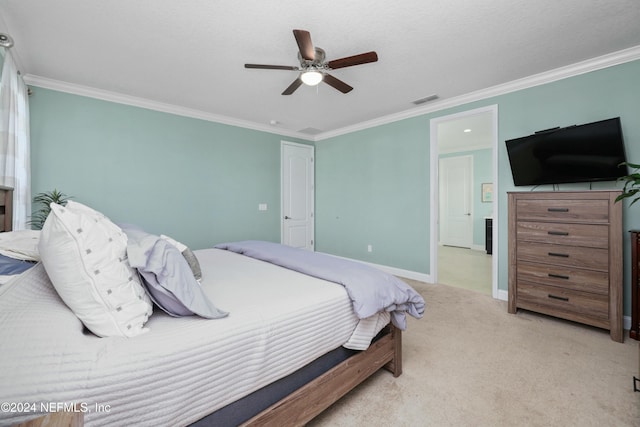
(568, 256)
(580, 210)
(564, 277)
(585, 235)
(564, 303)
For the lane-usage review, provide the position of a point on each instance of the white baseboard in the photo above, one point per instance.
(422, 277)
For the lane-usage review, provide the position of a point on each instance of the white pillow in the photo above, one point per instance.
(22, 244)
(84, 254)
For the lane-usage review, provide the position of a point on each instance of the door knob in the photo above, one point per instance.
(286, 217)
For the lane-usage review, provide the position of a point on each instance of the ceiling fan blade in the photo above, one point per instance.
(292, 87)
(271, 67)
(349, 61)
(303, 38)
(337, 83)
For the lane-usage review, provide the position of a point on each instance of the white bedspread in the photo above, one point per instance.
(184, 368)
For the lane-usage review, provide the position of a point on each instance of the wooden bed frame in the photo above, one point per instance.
(307, 402)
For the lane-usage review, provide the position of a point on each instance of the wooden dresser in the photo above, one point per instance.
(565, 256)
(6, 208)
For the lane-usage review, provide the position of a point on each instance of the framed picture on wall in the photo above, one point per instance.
(487, 192)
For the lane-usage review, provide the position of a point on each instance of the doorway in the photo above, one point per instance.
(463, 159)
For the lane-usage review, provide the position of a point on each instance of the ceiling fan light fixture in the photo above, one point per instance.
(313, 68)
(311, 77)
(6, 41)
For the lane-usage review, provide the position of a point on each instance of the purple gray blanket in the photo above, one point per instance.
(371, 290)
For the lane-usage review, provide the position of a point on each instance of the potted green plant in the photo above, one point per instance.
(631, 187)
(41, 206)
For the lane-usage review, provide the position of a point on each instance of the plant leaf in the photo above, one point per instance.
(42, 206)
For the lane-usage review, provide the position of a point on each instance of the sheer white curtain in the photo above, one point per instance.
(15, 170)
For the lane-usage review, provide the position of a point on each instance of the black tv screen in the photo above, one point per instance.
(580, 153)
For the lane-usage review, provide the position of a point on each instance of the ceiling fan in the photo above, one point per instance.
(313, 65)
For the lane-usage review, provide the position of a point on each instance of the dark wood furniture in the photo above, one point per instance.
(6, 208)
(565, 256)
(634, 332)
(488, 235)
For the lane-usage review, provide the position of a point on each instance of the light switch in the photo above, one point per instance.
(262, 207)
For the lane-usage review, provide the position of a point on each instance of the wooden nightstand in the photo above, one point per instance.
(634, 331)
(6, 208)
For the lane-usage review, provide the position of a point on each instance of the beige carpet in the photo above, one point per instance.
(470, 363)
(476, 274)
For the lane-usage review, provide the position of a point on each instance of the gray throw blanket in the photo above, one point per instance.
(371, 290)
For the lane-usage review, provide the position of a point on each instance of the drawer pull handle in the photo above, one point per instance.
(558, 233)
(558, 276)
(557, 209)
(557, 254)
(559, 298)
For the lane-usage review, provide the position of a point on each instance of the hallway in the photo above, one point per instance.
(464, 268)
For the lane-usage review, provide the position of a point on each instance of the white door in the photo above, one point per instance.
(456, 226)
(297, 195)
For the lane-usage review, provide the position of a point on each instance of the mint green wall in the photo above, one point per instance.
(372, 188)
(198, 181)
(2, 54)
(482, 173)
(202, 181)
(373, 184)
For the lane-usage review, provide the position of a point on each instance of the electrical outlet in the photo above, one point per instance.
(262, 207)
(369, 248)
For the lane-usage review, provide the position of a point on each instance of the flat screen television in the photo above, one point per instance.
(579, 153)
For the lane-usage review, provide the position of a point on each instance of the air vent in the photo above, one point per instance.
(310, 131)
(426, 99)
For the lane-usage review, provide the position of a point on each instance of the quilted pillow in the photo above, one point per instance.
(85, 257)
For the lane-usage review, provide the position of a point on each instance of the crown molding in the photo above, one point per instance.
(598, 63)
(583, 67)
(119, 98)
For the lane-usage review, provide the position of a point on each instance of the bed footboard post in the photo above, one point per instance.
(395, 365)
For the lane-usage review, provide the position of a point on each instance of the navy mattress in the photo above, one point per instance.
(10, 266)
(244, 409)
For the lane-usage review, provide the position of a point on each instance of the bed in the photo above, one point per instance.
(281, 347)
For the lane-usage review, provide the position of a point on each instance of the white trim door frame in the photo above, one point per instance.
(434, 199)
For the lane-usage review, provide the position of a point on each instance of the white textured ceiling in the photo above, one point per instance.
(191, 54)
